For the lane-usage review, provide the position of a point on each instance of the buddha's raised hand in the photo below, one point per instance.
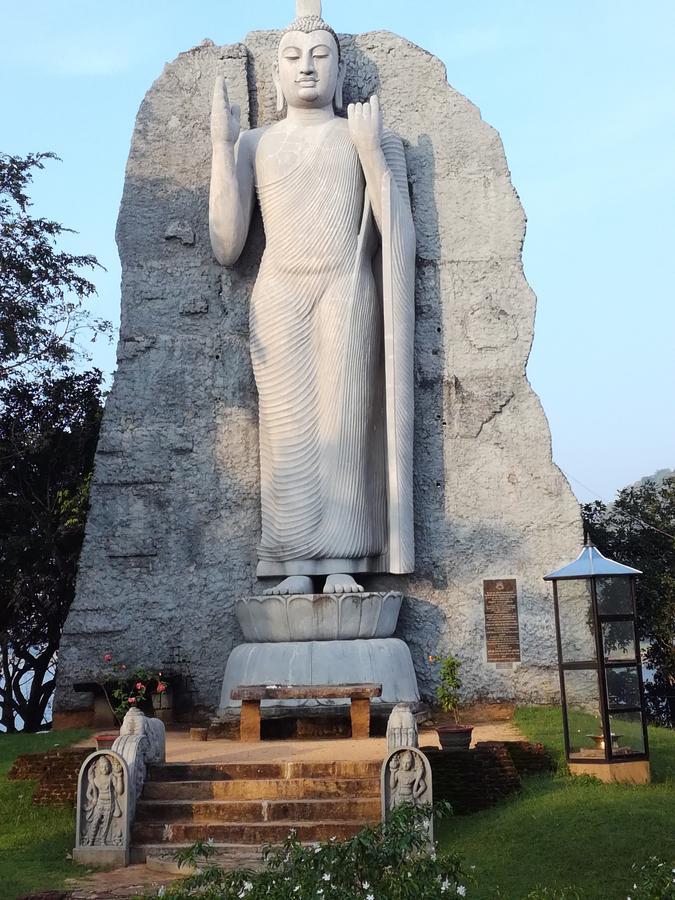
(365, 125)
(225, 119)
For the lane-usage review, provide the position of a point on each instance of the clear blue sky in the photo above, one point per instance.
(583, 94)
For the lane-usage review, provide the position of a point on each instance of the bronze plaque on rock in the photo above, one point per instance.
(501, 620)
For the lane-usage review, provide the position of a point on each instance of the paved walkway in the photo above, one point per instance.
(181, 748)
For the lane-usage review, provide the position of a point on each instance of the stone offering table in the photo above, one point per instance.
(251, 697)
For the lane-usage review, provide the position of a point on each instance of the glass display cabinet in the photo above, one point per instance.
(600, 667)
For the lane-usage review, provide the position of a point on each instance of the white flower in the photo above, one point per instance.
(326, 876)
(461, 890)
(444, 886)
(370, 897)
(366, 884)
(161, 891)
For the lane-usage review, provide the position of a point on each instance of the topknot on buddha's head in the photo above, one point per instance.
(309, 19)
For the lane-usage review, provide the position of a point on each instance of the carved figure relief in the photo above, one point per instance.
(331, 317)
(103, 812)
(406, 778)
(407, 783)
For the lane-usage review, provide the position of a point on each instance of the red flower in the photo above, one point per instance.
(161, 687)
(107, 657)
(139, 686)
(131, 700)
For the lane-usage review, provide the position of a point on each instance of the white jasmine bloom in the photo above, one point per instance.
(445, 886)
(461, 890)
(366, 884)
(370, 897)
(326, 876)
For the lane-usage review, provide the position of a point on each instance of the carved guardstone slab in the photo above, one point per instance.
(406, 778)
(103, 811)
(502, 633)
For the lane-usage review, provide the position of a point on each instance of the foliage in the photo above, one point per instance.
(450, 684)
(131, 688)
(655, 880)
(569, 833)
(34, 840)
(392, 860)
(636, 530)
(544, 893)
(48, 433)
(49, 421)
(42, 290)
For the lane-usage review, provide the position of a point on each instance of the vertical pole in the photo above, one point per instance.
(638, 657)
(602, 675)
(561, 672)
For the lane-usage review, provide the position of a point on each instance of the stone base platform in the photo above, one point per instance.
(384, 661)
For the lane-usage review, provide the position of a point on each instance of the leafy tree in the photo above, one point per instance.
(637, 529)
(48, 434)
(49, 421)
(42, 289)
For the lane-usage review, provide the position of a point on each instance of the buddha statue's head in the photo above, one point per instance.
(310, 72)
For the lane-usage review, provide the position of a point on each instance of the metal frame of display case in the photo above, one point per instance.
(590, 567)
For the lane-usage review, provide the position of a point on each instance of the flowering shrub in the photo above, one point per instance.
(130, 688)
(391, 861)
(447, 692)
(655, 880)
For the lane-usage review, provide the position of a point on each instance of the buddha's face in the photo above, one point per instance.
(309, 69)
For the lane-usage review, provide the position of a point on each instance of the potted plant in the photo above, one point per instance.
(148, 691)
(457, 736)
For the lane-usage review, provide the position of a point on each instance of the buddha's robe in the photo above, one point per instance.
(335, 421)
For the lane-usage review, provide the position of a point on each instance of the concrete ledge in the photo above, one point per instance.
(636, 772)
(101, 857)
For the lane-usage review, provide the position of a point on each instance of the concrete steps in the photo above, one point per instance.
(258, 833)
(254, 811)
(262, 789)
(240, 807)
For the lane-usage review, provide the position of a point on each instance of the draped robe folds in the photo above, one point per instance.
(332, 334)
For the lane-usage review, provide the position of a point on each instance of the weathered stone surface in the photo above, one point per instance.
(170, 544)
(402, 728)
(104, 810)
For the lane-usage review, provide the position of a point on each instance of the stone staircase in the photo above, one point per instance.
(242, 806)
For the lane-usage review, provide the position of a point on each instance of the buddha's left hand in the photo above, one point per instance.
(365, 126)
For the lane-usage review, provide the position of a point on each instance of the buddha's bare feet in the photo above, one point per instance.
(341, 584)
(296, 584)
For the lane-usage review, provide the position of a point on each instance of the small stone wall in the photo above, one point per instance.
(472, 780)
(55, 770)
(530, 759)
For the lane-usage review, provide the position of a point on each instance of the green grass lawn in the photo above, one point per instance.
(34, 840)
(563, 831)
